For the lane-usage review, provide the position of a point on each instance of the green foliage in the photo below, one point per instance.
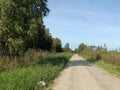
(28, 78)
(111, 58)
(110, 68)
(26, 73)
(108, 57)
(81, 47)
(21, 26)
(100, 53)
(57, 46)
(47, 43)
(67, 48)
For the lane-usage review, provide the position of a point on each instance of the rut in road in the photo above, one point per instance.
(79, 74)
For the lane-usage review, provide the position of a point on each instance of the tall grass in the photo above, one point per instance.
(108, 57)
(115, 70)
(111, 58)
(110, 61)
(27, 72)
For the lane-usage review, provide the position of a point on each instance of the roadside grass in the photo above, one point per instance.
(30, 76)
(115, 70)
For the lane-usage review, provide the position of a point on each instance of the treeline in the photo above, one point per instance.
(22, 27)
(100, 53)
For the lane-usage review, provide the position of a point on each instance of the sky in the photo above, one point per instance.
(93, 22)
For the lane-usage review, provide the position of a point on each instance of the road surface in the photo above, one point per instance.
(81, 75)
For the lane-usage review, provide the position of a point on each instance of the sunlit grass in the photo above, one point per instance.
(27, 78)
(110, 68)
(115, 70)
(34, 68)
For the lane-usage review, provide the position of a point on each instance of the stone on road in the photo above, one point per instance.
(79, 74)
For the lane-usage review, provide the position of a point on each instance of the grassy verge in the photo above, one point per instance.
(37, 75)
(115, 70)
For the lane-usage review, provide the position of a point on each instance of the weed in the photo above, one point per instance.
(33, 68)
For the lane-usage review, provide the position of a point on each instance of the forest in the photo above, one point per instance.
(22, 27)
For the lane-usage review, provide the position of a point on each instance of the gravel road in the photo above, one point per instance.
(79, 74)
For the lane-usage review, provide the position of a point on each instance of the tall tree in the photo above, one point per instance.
(67, 48)
(57, 45)
(82, 47)
(21, 25)
(47, 43)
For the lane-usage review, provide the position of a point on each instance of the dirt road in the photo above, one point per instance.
(81, 75)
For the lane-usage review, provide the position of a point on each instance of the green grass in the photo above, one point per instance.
(29, 77)
(110, 68)
(115, 70)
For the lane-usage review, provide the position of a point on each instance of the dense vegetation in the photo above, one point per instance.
(67, 48)
(100, 53)
(109, 60)
(29, 58)
(38, 68)
(22, 27)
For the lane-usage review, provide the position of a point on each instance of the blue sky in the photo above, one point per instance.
(93, 22)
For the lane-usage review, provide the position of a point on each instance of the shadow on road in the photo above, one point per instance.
(78, 63)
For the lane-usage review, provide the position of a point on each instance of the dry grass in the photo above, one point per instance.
(26, 73)
(108, 57)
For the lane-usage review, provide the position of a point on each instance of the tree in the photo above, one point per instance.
(81, 47)
(21, 25)
(67, 48)
(92, 48)
(57, 46)
(47, 44)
